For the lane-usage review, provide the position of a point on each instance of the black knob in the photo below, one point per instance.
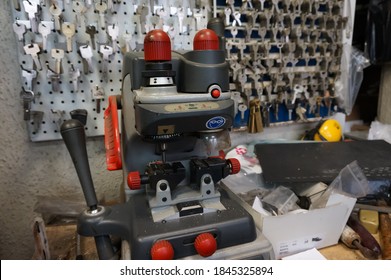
(72, 132)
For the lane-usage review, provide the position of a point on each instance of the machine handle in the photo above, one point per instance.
(112, 137)
(72, 131)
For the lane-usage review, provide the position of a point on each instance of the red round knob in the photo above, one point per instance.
(215, 93)
(134, 180)
(206, 39)
(157, 46)
(235, 165)
(205, 244)
(162, 250)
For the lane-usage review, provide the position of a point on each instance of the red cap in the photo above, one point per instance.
(206, 39)
(162, 250)
(157, 46)
(205, 244)
(235, 165)
(134, 180)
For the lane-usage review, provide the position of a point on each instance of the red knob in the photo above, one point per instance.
(205, 244)
(157, 46)
(235, 165)
(206, 39)
(215, 93)
(162, 250)
(134, 180)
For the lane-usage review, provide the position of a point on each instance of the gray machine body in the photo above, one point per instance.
(148, 115)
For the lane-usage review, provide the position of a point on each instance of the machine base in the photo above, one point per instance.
(231, 227)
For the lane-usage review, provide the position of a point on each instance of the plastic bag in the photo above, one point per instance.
(380, 131)
(347, 85)
(351, 181)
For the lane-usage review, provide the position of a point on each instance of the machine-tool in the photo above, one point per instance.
(167, 132)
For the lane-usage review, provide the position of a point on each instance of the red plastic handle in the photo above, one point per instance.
(112, 137)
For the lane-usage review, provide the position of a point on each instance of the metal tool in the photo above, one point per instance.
(351, 239)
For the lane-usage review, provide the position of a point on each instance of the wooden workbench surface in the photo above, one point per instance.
(63, 243)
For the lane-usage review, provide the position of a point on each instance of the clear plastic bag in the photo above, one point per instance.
(347, 85)
(351, 181)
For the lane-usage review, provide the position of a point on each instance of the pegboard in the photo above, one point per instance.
(61, 86)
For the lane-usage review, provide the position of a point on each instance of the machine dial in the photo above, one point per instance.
(134, 180)
(162, 250)
(235, 165)
(205, 244)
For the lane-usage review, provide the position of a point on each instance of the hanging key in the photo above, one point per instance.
(106, 52)
(323, 77)
(86, 53)
(101, 7)
(237, 98)
(98, 94)
(29, 76)
(44, 30)
(266, 114)
(255, 124)
(113, 31)
(20, 30)
(297, 90)
(33, 50)
(181, 17)
(227, 15)
(312, 103)
(276, 8)
(74, 74)
(91, 30)
(69, 29)
(31, 9)
(54, 78)
(129, 43)
(80, 10)
(236, 20)
(27, 97)
(300, 113)
(56, 12)
(242, 109)
(58, 55)
(234, 32)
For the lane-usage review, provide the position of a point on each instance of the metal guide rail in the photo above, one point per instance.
(70, 53)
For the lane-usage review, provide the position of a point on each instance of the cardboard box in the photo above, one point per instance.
(296, 232)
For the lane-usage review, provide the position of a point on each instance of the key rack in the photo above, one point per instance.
(285, 52)
(53, 88)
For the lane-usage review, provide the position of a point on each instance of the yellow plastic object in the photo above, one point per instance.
(370, 220)
(330, 130)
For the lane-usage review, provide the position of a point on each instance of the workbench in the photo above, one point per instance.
(63, 246)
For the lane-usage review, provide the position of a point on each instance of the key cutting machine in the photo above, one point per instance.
(175, 112)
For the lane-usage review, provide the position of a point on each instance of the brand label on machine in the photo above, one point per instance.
(215, 122)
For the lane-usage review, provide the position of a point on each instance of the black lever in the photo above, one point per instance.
(72, 131)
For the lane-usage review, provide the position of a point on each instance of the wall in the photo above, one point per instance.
(29, 170)
(384, 112)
